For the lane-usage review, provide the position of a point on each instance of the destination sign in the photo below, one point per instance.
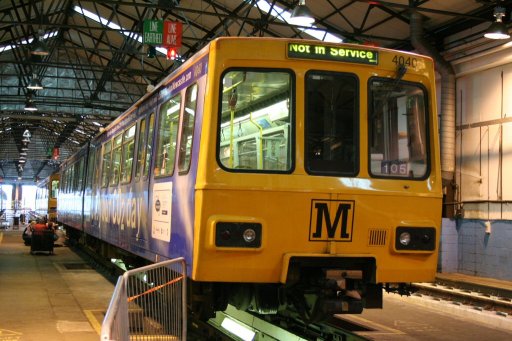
(334, 53)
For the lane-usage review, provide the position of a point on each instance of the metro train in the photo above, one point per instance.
(292, 175)
(46, 197)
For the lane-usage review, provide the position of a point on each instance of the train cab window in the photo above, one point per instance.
(140, 148)
(397, 127)
(187, 133)
(167, 136)
(149, 145)
(116, 160)
(107, 149)
(256, 121)
(127, 154)
(331, 123)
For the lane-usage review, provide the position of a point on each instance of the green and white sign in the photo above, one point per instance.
(153, 32)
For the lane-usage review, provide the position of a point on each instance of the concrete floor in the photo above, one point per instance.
(48, 297)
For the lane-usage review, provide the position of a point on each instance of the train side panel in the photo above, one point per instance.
(172, 200)
(71, 192)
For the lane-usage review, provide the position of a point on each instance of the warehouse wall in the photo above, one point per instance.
(477, 242)
(470, 247)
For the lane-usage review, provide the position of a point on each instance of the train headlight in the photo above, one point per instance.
(405, 238)
(249, 235)
(238, 234)
(415, 238)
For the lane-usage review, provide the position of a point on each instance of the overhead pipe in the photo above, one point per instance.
(447, 115)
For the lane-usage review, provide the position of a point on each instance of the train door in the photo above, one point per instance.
(174, 172)
(91, 209)
(144, 148)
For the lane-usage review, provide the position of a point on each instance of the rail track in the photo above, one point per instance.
(477, 297)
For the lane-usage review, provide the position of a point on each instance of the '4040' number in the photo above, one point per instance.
(407, 61)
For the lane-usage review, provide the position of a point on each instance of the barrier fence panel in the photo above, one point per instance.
(148, 303)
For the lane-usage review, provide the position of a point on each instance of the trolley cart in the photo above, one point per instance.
(42, 241)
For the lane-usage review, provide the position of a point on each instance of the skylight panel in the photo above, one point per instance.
(28, 41)
(284, 16)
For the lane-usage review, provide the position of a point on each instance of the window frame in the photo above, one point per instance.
(105, 171)
(356, 126)
(159, 137)
(184, 152)
(428, 150)
(125, 144)
(141, 146)
(292, 116)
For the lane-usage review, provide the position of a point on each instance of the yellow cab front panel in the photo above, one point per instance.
(317, 151)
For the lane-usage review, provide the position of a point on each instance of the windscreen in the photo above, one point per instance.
(255, 121)
(397, 129)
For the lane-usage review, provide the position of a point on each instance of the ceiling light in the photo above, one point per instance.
(498, 29)
(30, 106)
(301, 15)
(39, 48)
(35, 83)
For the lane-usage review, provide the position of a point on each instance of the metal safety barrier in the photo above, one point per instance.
(148, 303)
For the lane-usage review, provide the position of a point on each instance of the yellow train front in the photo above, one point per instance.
(46, 197)
(318, 178)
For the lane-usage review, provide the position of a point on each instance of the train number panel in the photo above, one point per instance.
(331, 220)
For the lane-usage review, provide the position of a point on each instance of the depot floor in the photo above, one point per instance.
(48, 296)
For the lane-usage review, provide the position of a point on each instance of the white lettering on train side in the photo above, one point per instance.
(122, 210)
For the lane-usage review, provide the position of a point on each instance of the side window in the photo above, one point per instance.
(63, 181)
(256, 120)
(116, 160)
(106, 164)
(187, 133)
(149, 144)
(97, 168)
(398, 129)
(81, 174)
(167, 136)
(128, 153)
(71, 171)
(77, 176)
(90, 168)
(140, 148)
(331, 123)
